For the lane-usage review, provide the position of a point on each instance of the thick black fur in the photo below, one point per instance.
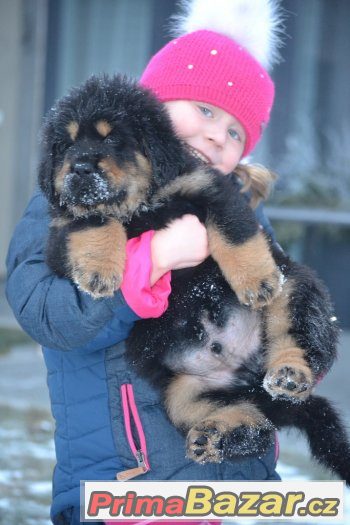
(144, 157)
(203, 289)
(140, 127)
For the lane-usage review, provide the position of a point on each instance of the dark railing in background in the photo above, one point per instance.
(323, 243)
(314, 216)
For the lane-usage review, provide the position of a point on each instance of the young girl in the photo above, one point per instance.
(219, 98)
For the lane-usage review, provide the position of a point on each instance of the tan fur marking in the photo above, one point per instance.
(285, 361)
(98, 251)
(144, 164)
(287, 356)
(187, 184)
(103, 127)
(115, 174)
(245, 266)
(283, 349)
(60, 222)
(73, 128)
(183, 407)
(140, 176)
(244, 413)
(186, 410)
(136, 178)
(60, 176)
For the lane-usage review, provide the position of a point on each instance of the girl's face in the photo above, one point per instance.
(212, 133)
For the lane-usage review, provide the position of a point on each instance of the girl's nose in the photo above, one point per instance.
(217, 136)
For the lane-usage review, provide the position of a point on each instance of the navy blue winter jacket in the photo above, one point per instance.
(83, 347)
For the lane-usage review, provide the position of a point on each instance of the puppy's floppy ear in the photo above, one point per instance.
(161, 165)
(46, 172)
(156, 135)
(166, 155)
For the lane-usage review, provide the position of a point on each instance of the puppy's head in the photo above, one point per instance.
(106, 146)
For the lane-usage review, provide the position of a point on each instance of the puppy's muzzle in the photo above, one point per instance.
(85, 186)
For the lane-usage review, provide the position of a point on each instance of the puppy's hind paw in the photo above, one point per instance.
(204, 443)
(289, 382)
(213, 441)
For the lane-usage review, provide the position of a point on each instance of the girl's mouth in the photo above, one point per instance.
(199, 155)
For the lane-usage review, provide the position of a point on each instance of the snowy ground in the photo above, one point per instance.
(26, 436)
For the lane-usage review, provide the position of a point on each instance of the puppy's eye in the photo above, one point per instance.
(60, 148)
(109, 140)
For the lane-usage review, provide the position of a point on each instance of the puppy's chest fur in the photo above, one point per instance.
(205, 332)
(220, 350)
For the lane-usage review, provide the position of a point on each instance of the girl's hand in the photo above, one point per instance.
(182, 244)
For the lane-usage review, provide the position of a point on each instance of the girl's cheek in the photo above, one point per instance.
(231, 163)
(224, 169)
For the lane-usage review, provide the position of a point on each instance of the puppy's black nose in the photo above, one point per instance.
(83, 168)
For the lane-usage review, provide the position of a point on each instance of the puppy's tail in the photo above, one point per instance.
(323, 427)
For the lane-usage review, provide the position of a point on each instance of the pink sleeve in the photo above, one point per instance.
(143, 300)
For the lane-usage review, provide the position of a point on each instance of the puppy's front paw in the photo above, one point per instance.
(257, 292)
(96, 282)
(96, 258)
(289, 382)
(248, 267)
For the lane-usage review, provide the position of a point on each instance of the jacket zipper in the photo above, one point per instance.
(137, 444)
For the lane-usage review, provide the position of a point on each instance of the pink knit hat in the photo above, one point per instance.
(209, 66)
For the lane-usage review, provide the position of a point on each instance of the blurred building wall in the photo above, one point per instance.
(23, 26)
(10, 35)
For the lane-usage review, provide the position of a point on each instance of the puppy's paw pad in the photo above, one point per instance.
(287, 381)
(204, 443)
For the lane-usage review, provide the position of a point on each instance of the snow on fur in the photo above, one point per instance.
(256, 25)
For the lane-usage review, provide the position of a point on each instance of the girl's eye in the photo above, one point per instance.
(206, 111)
(234, 134)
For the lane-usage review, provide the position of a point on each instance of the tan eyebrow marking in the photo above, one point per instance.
(73, 128)
(103, 127)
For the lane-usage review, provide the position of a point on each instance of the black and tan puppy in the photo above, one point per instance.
(109, 152)
(237, 353)
(230, 376)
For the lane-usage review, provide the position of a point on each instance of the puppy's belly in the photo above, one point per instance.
(223, 351)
